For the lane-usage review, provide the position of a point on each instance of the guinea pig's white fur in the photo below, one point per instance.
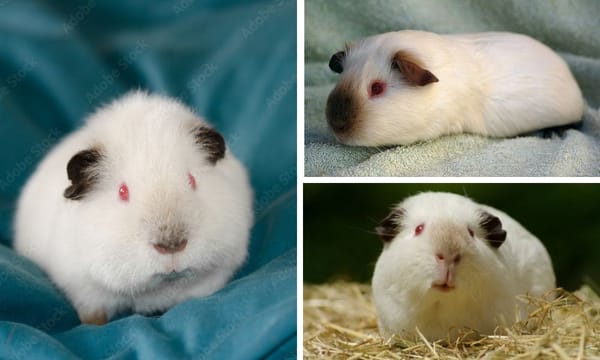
(99, 248)
(410, 282)
(493, 84)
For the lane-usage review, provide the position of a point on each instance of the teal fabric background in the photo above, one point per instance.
(234, 62)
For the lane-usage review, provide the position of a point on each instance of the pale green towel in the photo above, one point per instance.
(570, 27)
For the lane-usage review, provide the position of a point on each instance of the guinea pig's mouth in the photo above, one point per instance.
(168, 278)
(442, 287)
(173, 275)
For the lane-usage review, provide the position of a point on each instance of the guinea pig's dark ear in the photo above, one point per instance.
(411, 69)
(211, 142)
(82, 171)
(390, 226)
(492, 229)
(336, 62)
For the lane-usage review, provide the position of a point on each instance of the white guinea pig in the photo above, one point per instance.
(450, 263)
(141, 208)
(401, 87)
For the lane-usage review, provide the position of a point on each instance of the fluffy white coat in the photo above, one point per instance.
(99, 249)
(487, 279)
(494, 84)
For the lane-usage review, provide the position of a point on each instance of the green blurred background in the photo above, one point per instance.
(339, 242)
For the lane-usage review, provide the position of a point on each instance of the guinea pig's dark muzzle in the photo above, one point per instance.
(341, 110)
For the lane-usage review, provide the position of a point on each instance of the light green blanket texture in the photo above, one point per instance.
(570, 27)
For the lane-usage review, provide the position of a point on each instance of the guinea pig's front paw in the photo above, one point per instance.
(95, 318)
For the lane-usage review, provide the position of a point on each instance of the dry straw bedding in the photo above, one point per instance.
(340, 323)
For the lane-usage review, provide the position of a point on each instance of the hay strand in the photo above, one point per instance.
(340, 323)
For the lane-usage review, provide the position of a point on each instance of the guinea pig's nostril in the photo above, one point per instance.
(171, 247)
(377, 88)
(439, 257)
(457, 259)
(339, 125)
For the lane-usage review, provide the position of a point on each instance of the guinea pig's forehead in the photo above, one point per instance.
(155, 131)
(367, 67)
(439, 212)
(368, 53)
(150, 150)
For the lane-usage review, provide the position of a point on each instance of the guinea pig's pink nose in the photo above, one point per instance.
(441, 257)
(171, 247)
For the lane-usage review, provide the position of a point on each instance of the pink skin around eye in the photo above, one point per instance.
(419, 229)
(192, 181)
(377, 88)
(124, 192)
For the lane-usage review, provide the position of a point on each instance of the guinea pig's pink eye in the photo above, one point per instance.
(419, 229)
(124, 192)
(192, 181)
(471, 232)
(377, 88)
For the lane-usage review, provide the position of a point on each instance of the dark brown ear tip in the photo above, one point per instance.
(389, 227)
(492, 226)
(425, 77)
(80, 162)
(412, 69)
(384, 234)
(335, 63)
(81, 173)
(212, 142)
(496, 239)
(431, 78)
(73, 192)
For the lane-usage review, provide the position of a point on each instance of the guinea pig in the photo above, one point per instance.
(449, 263)
(141, 208)
(401, 87)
